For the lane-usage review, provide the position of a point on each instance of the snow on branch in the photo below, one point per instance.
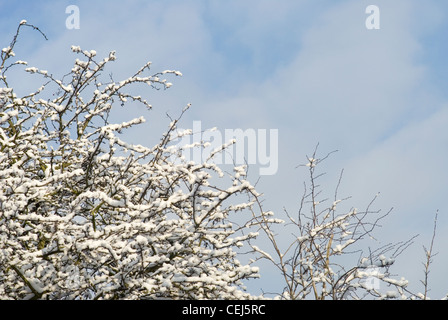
(85, 214)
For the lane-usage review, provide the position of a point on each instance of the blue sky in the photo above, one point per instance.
(307, 68)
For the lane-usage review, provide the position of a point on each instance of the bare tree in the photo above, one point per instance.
(314, 264)
(429, 259)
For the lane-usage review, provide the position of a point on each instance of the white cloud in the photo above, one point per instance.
(364, 92)
(320, 77)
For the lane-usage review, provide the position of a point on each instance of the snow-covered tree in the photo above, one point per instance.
(86, 215)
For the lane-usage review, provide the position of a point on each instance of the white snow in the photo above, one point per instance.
(31, 70)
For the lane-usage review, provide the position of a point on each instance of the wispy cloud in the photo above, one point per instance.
(311, 70)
